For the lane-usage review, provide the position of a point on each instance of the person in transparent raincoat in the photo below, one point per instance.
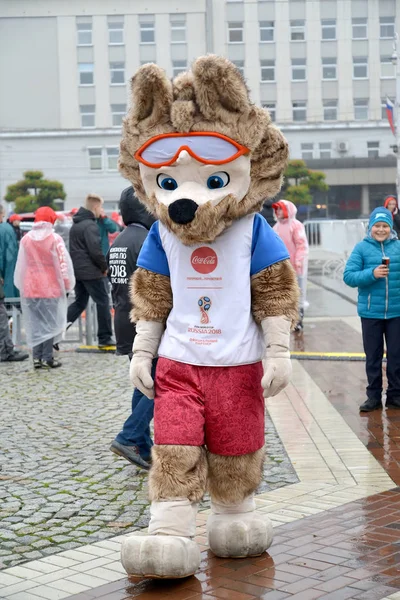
(44, 275)
(293, 234)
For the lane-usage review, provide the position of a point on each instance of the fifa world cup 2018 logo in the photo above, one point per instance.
(204, 305)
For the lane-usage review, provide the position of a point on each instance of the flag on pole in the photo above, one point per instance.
(389, 113)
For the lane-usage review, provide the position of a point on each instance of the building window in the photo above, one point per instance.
(298, 69)
(307, 151)
(373, 149)
(86, 73)
(328, 29)
(235, 33)
(329, 68)
(387, 27)
(387, 68)
(360, 67)
(117, 112)
(299, 111)
(117, 73)
(178, 29)
(95, 159)
(330, 110)
(84, 33)
(325, 150)
(383, 106)
(360, 30)
(112, 158)
(361, 110)
(266, 31)
(147, 31)
(297, 30)
(178, 66)
(87, 115)
(116, 32)
(271, 107)
(240, 65)
(268, 70)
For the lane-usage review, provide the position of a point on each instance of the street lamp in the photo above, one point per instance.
(396, 63)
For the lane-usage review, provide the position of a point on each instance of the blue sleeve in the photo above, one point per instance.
(152, 255)
(267, 247)
(354, 274)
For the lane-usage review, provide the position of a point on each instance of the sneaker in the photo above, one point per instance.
(51, 364)
(16, 357)
(131, 453)
(37, 363)
(370, 404)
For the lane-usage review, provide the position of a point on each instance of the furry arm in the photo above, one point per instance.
(145, 346)
(278, 368)
(151, 297)
(275, 293)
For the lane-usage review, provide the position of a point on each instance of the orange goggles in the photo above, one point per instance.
(207, 147)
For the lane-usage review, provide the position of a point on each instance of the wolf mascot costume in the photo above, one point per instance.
(213, 296)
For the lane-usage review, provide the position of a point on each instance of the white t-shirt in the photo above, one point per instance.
(211, 323)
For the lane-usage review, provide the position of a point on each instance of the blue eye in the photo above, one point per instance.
(218, 180)
(166, 182)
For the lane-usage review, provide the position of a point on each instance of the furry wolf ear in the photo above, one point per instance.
(220, 88)
(151, 95)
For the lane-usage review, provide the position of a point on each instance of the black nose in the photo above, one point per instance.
(182, 211)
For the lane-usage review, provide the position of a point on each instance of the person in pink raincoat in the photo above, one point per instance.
(293, 234)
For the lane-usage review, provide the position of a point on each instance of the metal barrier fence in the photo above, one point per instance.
(335, 237)
(86, 328)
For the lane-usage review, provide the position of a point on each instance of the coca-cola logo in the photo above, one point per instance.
(204, 260)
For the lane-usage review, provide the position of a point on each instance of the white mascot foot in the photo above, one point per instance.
(168, 551)
(160, 556)
(237, 531)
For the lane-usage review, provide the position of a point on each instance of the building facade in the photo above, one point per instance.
(322, 67)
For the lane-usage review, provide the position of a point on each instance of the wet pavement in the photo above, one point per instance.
(337, 531)
(60, 486)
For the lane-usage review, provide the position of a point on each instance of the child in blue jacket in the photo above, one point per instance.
(378, 305)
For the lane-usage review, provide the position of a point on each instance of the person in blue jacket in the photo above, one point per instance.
(378, 305)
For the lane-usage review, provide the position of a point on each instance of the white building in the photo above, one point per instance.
(321, 66)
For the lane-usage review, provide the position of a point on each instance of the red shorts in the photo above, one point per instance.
(220, 407)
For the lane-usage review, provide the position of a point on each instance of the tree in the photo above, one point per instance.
(306, 183)
(44, 192)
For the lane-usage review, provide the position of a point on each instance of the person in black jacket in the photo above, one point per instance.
(90, 267)
(268, 212)
(134, 441)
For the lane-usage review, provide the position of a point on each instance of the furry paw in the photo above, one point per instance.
(239, 535)
(160, 556)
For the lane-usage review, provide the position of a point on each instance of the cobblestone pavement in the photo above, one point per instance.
(60, 486)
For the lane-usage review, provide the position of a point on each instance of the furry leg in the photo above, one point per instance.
(234, 528)
(177, 483)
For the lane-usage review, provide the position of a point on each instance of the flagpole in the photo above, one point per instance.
(396, 62)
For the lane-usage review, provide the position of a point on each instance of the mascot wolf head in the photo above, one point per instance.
(198, 153)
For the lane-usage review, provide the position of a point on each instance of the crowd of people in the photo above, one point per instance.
(43, 267)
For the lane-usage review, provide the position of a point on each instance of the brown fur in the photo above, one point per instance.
(232, 478)
(178, 472)
(151, 296)
(275, 292)
(210, 97)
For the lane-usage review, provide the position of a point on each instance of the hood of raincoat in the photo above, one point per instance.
(83, 214)
(289, 209)
(133, 211)
(40, 231)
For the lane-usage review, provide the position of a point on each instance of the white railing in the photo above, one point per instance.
(335, 238)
